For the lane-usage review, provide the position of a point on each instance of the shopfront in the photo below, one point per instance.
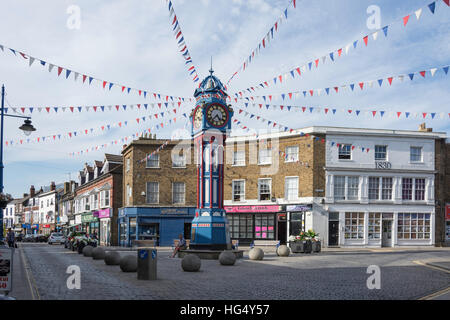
(447, 222)
(104, 217)
(90, 224)
(160, 224)
(297, 218)
(248, 223)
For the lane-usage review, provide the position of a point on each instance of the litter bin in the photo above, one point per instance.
(147, 259)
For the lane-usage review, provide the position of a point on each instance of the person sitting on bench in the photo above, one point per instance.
(180, 246)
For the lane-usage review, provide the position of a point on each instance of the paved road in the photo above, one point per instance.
(328, 275)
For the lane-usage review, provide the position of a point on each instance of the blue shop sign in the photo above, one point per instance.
(26, 226)
(299, 208)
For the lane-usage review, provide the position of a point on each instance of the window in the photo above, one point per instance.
(416, 154)
(178, 161)
(291, 188)
(241, 226)
(354, 225)
(152, 192)
(374, 225)
(386, 189)
(238, 190)
(345, 152)
(339, 188)
(96, 201)
(374, 188)
(128, 195)
(128, 164)
(264, 189)
(413, 189)
(346, 188)
(178, 192)
(413, 226)
(239, 158)
(264, 226)
(153, 161)
(265, 156)
(380, 152)
(104, 199)
(291, 154)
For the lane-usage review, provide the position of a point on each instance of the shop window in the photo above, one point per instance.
(354, 225)
(238, 190)
(132, 228)
(296, 223)
(412, 226)
(264, 226)
(374, 226)
(291, 154)
(264, 189)
(241, 226)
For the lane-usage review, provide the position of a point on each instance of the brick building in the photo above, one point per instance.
(98, 198)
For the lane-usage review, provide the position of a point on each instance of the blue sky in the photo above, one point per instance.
(131, 42)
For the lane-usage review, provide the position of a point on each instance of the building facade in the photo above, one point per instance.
(159, 192)
(47, 210)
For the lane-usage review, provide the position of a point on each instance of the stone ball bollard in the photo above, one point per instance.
(191, 263)
(87, 251)
(128, 263)
(112, 258)
(227, 258)
(283, 251)
(256, 254)
(98, 253)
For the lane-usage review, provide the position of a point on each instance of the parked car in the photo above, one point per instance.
(40, 237)
(28, 238)
(56, 237)
(83, 240)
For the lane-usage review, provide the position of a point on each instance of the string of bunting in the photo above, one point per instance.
(362, 85)
(266, 40)
(349, 111)
(99, 108)
(83, 132)
(126, 138)
(181, 42)
(338, 53)
(89, 79)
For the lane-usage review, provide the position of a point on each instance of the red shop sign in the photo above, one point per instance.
(447, 211)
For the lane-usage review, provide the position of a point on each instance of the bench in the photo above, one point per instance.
(143, 243)
(176, 241)
(265, 243)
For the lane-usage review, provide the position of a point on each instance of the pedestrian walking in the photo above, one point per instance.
(11, 238)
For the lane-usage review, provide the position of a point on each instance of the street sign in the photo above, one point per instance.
(6, 265)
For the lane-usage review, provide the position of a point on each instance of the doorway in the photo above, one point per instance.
(387, 234)
(187, 230)
(333, 233)
(282, 231)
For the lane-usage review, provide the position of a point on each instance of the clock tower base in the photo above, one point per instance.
(210, 230)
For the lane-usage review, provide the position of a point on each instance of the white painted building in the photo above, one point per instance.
(47, 210)
(379, 188)
(9, 215)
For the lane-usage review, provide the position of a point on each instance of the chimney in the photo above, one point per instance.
(32, 191)
(25, 195)
(52, 186)
(124, 146)
(66, 187)
(423, 128)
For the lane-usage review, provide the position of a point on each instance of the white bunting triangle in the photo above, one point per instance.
(375, 35)
(50, 67)
(418, 13)
(31, 61)
(433, 71)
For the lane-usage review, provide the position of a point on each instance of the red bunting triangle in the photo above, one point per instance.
(117, 107)
(424, 114)
(317, 62)
(349, 111)
(59, 70)
(326, 110)
(281, 78)
(290, 95)
(339, 52)
(422, 73)
(336, 88)
(48, 110)
(399, 114)
(311, 92)
(86, 131)
(23, 110)
(71, 109)
(303, 108)
(84, 78)
(374, 113)
(103, 127)
(390, 80)
(95, 109)
(104, 84)
(175, 110)
(447, 2)
(270, 98)
(260, 105)
(281, 107)
(366, 38)
(137, 119)
(361, 85)
(353, 147)
(405, 20)
(120, 124)
(159, 105)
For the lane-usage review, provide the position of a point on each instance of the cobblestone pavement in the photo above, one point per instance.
(328, 275)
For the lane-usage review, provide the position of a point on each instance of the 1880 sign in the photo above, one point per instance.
(383, 165)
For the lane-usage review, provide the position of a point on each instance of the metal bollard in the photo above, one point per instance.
(147, 260)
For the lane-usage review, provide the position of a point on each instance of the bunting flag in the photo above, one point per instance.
(181, 42)
(124, 139)
(332, 56)
(351, 111)
(106, 85)
(97, 130)
(266, 40)
(97, 108)
(363, 85)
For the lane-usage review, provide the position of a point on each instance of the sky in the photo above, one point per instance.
(132, 43)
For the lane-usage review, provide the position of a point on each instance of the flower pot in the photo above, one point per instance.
(316, 246)
(302, 246)
(307, 246)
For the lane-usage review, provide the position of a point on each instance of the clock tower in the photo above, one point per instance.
(211, 123)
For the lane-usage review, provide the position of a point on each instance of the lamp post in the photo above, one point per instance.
(27, 128)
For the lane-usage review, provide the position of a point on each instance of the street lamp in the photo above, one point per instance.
(27, 129)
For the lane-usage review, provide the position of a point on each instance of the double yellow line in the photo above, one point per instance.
(438, 293)
(31, 283)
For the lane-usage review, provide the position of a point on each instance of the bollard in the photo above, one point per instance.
(147, 261)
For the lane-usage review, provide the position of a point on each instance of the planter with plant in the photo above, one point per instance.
(300, 243)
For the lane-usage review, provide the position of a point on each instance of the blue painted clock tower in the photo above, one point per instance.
(211, 123)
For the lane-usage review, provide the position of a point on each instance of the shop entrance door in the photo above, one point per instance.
(282, 232)
(333, 233)
(387, 234)
(187, 230)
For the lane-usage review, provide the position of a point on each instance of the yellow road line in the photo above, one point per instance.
(431, 267)
(30, 279)
(436, 294)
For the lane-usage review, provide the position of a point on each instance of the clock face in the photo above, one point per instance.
(217, 115)
(198, 116)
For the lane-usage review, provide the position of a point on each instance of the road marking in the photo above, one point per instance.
(430, 266)
(30, 279)
(436, 294)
